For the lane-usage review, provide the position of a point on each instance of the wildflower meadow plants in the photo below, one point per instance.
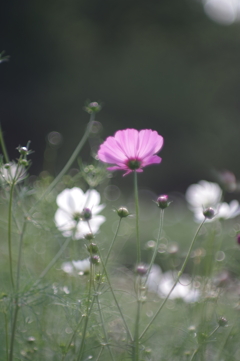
(87, 277)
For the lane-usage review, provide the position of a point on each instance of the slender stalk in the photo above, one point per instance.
(13, 329)
(194, 353)
(215, 330)
(3, 146)
(6, 333)
(137, 218)
(136, 333)
(157, 243)
(110, 286)
(113, 241)
(115, 299)
(68, 164)
(82, 346)
(100, 352)
(71, 339)
(54, 260)
(104, 328)
(10, 232)
(176, 281)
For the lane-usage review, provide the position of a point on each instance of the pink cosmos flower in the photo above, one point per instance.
(131, 150)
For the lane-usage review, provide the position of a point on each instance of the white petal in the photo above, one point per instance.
(92, 199)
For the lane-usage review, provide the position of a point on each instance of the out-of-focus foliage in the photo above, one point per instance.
(154, 64)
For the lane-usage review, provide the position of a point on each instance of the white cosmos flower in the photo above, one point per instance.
(76, 267)
(203, 195)
(161, 283)
(207, 194)
(71, 203)
(82, 266)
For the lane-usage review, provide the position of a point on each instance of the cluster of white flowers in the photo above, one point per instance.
(161, 283)
(72, 203)
(12, 172)
(207, 194)
(76, 267)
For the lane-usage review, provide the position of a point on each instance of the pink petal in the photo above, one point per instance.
(110, 152)
(150, 142)
(152, 159)
(127, 139)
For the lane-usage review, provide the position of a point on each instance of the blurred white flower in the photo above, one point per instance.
(203, 195)
(207, 194)
(69, 216)
(82, 266)
(67, 267)
(230, 210)
(12, 172)
(161, 283)
(76, 267)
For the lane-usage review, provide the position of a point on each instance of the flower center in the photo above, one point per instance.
(133, 164)
(77, 216)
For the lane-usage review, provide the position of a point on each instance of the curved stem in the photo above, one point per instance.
(137, 218)
(68, 164)
(10, 233)
(157, 244)
(177, 279)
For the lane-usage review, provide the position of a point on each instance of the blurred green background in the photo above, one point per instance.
(163, 65)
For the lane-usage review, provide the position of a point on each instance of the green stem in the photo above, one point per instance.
(100, 352)
(177, 279)
(113, 241)
(136, 333)
(194, 353)
(88, 310)
(71, 339)
(3, 146)
(68, 164)
(137, 218)
(104, 328)
(10, 232)
(6, 333)
(114, 296)
(215, 330)
(13, 329)
(157, 243)
(54, 260)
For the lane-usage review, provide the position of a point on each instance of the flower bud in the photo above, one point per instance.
(95, 259)
(141, 269)
(222, 322)
(89, 236)
(86, 214)
(123, 212)
(23, 162)
(23, 150)
(93, 107)
(209, 213)
(7, 166)
(92, 248)
(162, 201)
